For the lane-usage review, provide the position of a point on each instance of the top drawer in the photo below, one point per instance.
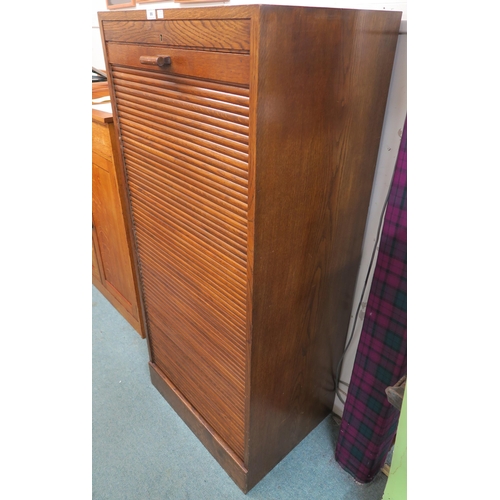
(213, 34)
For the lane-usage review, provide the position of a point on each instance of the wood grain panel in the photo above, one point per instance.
(249, 200)
(188, 189)
(185, 206)
(184, 169)
(171, 109)
(317, 139)
(186, 308)
(217, 66)
(202, 391)
(212, 90)
(229, 313)
(228, 134)
(115, 269)
(203, 143)
(215, 34)
(228, 211)
(96, 262)
(224, 12)
(193, 229)
(221, 272)
(183, 95)
(234, 169)
(101, 143)
(145, 95)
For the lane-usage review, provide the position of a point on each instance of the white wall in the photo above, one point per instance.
(391, 134)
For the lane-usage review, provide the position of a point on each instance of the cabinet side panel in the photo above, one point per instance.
(323, 81)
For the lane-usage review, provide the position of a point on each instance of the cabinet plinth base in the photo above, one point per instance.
(203, 431)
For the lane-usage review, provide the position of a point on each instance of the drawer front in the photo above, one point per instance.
(219, 66)
(214, 34)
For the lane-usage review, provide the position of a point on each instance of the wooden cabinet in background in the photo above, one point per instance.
(250, 137)
(111, 260)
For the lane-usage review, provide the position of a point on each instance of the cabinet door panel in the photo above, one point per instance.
(188, 189)
(96, 264)
(116, 268)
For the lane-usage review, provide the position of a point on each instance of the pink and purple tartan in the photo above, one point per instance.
(369, 422)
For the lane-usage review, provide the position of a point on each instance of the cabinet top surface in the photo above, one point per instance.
(101, 112)
(220, 12)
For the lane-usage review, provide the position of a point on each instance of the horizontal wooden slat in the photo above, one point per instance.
(209, 378)
(171, 109)
(218, 157)
(229, 310)
(192, 168)
(234, 209)
(196, 341)
(193, 228)
(208, 397)
(208, 133)
(196, 128)
(232, 176)
(225, 229)
(199, 107)
(229, 268)
(224, 280)
(172, 296)
(208, 144)
(189, 86)
(234, 92)
(216, 34)
(167, 183)
(183, 310)
(199, 96)
(222, 271)
(199, 227)
(228, 257)
(213, 91)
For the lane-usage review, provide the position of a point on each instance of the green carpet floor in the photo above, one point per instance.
(141, 449)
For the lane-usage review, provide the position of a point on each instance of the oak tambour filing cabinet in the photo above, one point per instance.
(249, 137)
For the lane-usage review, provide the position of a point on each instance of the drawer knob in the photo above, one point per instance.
(160, 61)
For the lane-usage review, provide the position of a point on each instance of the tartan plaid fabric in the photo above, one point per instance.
(369, 422)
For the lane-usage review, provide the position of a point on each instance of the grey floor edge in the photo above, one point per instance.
(141, 449)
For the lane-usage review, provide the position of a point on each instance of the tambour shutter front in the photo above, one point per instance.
(185, 144)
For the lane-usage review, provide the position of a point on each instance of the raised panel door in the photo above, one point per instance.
(115, 268)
